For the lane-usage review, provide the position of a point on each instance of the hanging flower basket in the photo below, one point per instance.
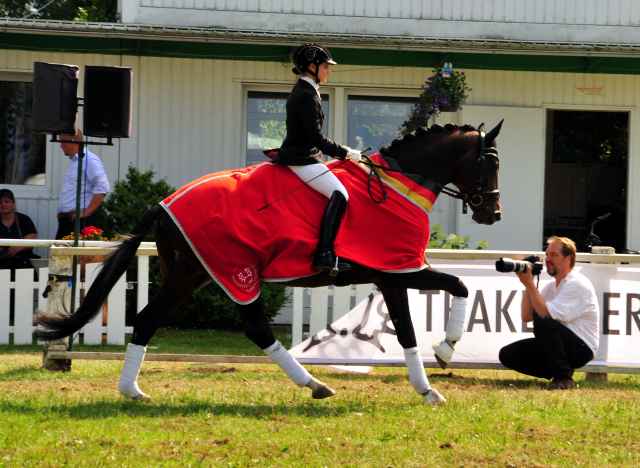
(441, 94)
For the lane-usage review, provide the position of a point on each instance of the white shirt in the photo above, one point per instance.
(94, 181)
(315, 85)
(574, 304)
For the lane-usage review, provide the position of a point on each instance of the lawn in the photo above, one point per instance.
(251, 415)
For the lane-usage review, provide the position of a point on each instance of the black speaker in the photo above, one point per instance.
(107, 101)
(55, 102)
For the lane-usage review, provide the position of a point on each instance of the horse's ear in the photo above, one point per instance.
(493, 134)
(481, 127)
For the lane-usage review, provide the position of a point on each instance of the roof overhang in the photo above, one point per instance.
(293, 38)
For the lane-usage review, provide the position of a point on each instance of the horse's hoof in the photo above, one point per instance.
(319, 390)
(443, 352)
(322, 392)
(432, 397)
(143, 397)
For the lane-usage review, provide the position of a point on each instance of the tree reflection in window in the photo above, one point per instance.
(22, 153)
(266, 123)
(375, 121)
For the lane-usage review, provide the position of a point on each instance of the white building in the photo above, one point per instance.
(200, 66)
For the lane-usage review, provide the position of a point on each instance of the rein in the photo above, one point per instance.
(474, 199)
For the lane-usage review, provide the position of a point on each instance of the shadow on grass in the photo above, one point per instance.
(21, 373)
(107, 409)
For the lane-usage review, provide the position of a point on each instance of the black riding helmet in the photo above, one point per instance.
(307, 54)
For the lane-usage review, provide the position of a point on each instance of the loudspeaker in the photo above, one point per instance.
(107, 101)
(55, 101)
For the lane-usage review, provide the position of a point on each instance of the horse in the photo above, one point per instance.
(436, 156)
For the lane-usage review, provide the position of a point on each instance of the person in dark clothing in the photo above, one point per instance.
(305, 145)
(14, 225)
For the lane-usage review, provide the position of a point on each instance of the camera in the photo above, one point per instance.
(506, 265)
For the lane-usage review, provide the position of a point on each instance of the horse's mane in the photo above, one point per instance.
(422, 132)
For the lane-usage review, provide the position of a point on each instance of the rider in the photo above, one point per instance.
(304, 147)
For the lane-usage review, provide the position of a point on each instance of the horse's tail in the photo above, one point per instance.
(60, 325)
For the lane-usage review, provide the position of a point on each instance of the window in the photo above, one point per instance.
(375, 121)
(22, 153)
(266, 123)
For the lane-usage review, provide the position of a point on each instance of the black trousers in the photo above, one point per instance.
(66, 226)
(555, 352)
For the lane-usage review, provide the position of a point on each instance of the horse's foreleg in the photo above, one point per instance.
(455, 328)
(398, 305)
(257, 329)
(430, 279)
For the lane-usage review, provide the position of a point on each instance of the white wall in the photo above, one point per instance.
(610, 21)
(188, 120)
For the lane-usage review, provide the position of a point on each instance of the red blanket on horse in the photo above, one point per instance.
(238, 245)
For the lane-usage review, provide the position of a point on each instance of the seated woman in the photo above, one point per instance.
(305, 146)
(14, 225)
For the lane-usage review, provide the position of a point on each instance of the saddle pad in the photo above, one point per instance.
(239, 245)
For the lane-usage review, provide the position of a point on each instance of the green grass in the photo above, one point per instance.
(250, 415)
(178, 341)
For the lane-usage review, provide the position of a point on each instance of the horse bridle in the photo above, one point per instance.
(474, 199)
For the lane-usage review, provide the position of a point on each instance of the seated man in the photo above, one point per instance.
(565, 318)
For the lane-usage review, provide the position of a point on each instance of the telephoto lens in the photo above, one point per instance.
(506, 265)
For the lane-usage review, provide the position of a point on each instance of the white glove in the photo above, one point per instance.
(354, 155)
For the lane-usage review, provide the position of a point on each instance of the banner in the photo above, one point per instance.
(366, 335)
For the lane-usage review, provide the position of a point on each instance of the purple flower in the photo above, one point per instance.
(458, 88)
(462, 73)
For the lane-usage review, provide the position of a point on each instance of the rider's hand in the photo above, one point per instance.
(354, 155)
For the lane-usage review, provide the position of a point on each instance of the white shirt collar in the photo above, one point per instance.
(313, 83)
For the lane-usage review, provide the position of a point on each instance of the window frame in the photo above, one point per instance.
(31, 191)
(338, 106)
(280, 89)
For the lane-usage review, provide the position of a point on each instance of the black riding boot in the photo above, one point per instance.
(325, 259)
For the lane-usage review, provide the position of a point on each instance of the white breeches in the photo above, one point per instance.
(325, 184)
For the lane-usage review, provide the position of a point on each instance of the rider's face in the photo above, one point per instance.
(323, 72)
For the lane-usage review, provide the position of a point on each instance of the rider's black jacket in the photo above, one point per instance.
(305, 143)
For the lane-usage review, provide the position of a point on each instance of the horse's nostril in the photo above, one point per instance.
(498, 216)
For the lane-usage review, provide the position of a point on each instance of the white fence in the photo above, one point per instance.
(28, 293)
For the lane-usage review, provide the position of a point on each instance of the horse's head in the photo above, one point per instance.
(463, 156)
(476, 176)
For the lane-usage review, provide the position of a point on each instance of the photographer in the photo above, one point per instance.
(565, 321)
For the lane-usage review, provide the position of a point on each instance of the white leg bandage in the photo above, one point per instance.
(455, 328)
(417, 375)
(128, 385)
(288, 364)
(457, 315)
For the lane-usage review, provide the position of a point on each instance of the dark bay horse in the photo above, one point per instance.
(463, 156)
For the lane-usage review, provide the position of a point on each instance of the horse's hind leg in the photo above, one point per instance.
(257, 329)
(180, 279)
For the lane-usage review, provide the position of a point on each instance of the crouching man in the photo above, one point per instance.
(565, 321)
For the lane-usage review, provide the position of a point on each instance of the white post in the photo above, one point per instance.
(297, 304)
(143, 281)
(23, 314)
(319, 306)
(5, 290)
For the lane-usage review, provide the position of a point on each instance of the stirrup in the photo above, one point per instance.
(324, 262)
